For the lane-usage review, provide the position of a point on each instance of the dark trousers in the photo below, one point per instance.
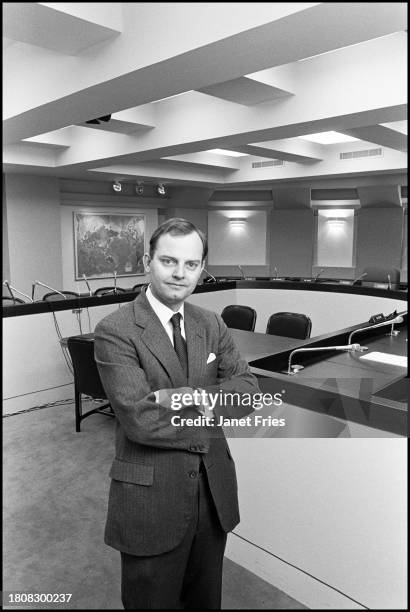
(188, 577)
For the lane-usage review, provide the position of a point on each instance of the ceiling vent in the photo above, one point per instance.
(366, 153)
(267, 164)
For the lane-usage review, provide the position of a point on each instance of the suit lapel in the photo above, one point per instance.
(196, 347)
(157, 341)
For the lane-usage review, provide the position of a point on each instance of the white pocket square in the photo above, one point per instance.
(211, 358)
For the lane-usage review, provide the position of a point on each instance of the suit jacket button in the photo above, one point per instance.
(193, 474)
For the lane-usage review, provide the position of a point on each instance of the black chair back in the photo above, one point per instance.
(54, 297)
(106, 290)
(374, 274)
(290, 324)
(9, 301)
(239, 317)
(86, 376)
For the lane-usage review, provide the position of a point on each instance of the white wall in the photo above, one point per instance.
(292, 241)
(231, 246)
(379, 237)
(335, 238)
(34, 233)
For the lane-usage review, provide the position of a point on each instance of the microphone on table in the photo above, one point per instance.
(36, 282)
(275, 271)
(210, 276)
(347, 347)
(356, 280)
(10, 287)
(241, 270)
(389, 281)
(398, 319)
(115, 281)
(88, 285)
(318, 274)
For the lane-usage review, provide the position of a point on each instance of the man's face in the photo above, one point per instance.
(175, 268)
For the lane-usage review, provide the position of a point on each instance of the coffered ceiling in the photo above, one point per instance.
(183, 79)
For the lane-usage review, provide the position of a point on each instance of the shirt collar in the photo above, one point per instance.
(163, 312)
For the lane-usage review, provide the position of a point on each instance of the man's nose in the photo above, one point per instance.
(179, 270)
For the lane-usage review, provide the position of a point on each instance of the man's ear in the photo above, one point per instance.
(147, 261)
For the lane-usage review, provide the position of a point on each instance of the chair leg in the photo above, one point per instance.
(78, 410)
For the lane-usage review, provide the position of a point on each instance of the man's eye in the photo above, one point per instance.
(192, 265)
(167, 262)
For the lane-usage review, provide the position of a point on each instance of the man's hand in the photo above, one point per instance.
(203, 405)
(175, 399)
(183, 397)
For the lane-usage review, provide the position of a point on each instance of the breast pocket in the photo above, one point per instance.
(135, 473)
(211, 372)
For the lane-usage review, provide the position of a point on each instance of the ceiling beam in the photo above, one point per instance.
(293, 150)
(68, 27)
(245, 91)
(378, 134)
(196, 122)
(42, 91)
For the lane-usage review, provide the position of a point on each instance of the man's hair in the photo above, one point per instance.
(177, 227)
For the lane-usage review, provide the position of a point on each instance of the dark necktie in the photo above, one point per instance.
(179, 342)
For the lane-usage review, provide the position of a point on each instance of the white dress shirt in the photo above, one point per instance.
(164, 314)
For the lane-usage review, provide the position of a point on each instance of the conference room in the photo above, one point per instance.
(279, 130)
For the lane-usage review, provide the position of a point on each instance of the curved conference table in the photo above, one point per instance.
(334, 388)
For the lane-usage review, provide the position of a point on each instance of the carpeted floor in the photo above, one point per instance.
(55, 485)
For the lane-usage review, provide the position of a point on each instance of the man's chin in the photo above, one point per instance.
(179, 295)
(175, 295)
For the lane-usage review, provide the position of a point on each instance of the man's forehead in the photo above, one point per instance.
(188, 244)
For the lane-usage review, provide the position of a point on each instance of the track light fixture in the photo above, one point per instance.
(161, 190)
(117, 186)
(105, 118)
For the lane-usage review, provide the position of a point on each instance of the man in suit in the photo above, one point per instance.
(173, 495)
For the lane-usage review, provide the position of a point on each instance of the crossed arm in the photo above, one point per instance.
(145, 413)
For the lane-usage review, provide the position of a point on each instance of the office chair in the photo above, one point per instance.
(108, 290)
(53, 296)
(374, 274)
(290, 324)
(9, 301)
(138, 287)
(239, 317)
(87, 379)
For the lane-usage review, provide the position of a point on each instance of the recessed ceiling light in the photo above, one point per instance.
(328, 138)
(226, 152)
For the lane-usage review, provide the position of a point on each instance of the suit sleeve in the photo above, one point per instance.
(143, 419)
(234, 376)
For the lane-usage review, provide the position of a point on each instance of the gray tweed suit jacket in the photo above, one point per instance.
(153, 487)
